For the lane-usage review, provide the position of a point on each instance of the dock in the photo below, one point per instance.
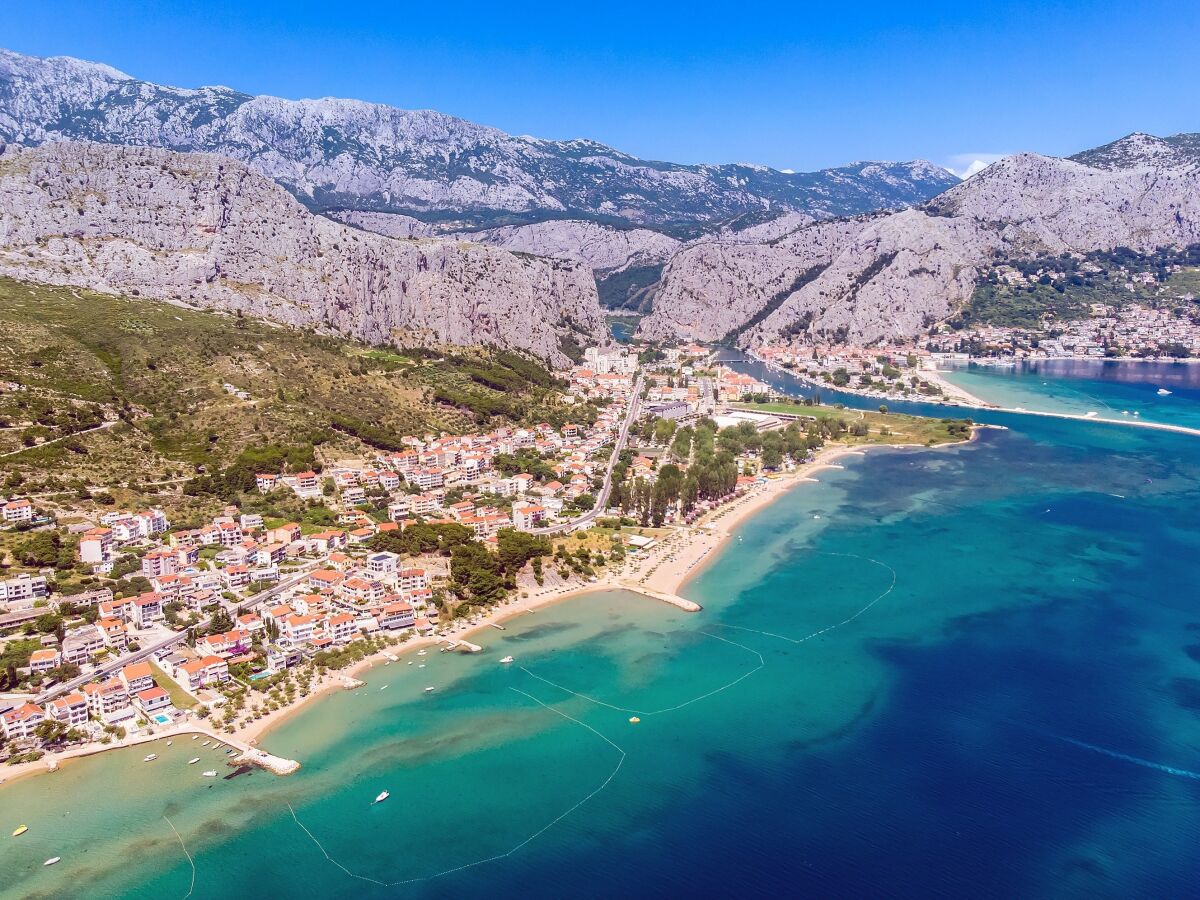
(674, 599)
(458, 643)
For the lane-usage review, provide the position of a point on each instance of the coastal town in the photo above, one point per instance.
(121, 625)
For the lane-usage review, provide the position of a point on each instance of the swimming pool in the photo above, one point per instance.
(162, 719)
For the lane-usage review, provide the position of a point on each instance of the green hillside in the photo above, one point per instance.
(107, 390)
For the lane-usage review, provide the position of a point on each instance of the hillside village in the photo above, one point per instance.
(125, 621)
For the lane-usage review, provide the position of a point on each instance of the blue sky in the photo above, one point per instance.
(796, 86)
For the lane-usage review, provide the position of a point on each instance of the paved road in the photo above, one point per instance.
(606, 488)
(174, 640)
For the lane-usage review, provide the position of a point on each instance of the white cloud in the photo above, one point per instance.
(964, 165)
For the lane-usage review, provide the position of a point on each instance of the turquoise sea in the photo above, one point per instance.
(1111, 389)
(962, 672)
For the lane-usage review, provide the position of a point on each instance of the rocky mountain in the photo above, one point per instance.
(205, 230)
(346, 154)
(1140, 149)
(895, 274)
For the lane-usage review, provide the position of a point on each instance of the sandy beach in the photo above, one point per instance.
(659, 573)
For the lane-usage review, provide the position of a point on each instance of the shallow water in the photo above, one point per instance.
(976, 673)
(1109, 388)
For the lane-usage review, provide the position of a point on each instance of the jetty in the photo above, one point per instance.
(674, 599)
(459, 644)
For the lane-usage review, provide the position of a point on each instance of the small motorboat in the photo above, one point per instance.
(410, 662)
(169, 743)
(20, 831)
(1163, 392)
(193, 760)
(383, 687)
(420, 653)
(383, 795)
(150, 757)
(195, 737)
(206, 743)
(209, 773)
(507, 659)
(421, 666)
(52, 860)
(230, 752)
(428, 689)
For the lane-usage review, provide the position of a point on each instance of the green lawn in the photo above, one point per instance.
(181, 698)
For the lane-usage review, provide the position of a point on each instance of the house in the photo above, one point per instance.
(112, 633)
(284, 534)
(24, 587)
(250, 623)
(17, 512)
(159, 562)
(360, 590)
(297, 629)
(324, 578)
(20, 723)
(307, 483)
(526, 517)
(237, 576)
(79, 645)
(342, 628)
(41, 661)
(70, 710)
(397, 615)
(108, 701)
(280, 658)
(153, 700)
(148, 609)
(412, 579)
(265, 482)
(96, 546)
(137, 677)
(196, 673)
(382, 564)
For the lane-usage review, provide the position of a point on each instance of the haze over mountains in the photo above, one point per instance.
(451, 232)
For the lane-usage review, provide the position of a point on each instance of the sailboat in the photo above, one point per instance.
(383, 795)
(193, 760)
(52, 860)
(1163, 392)
(507, 659)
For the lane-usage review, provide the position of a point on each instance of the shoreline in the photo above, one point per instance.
(665, 572)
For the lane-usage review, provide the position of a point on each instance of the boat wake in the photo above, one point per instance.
(1114, 754)
(499, 856)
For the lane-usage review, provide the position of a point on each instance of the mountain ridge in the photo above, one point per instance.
(337, 153)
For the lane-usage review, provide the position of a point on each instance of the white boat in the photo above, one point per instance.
(206, 743)
(150, 757)
(507, 659)
(169, 743)
(195, 737)
(428, 689)
(421, 666)
(1163, 392)
(383, 795)
(420, 653)
(383, 687)
(193, 760)
(52, 860)
(410, 662)
(211, 773)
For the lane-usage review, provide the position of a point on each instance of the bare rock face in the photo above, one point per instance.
(391, 224)
(207, 230)
(598, 246)
(893, 275)
(712, 288)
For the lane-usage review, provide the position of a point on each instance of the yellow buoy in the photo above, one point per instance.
(634, 719)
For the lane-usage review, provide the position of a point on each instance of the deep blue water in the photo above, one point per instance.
(1007, 705)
